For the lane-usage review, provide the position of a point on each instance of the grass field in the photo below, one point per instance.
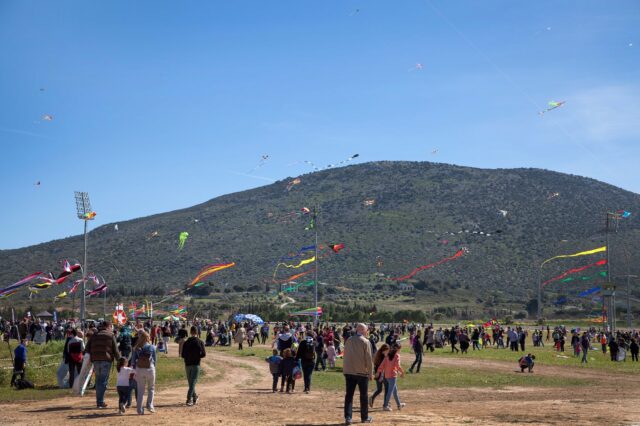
(433, 376)
(42, 365)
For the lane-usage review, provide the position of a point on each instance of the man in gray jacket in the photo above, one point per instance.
(358, 370)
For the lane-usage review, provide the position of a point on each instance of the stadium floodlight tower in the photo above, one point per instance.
(84, 212)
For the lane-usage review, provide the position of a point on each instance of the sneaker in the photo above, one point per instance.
(151, 409)
(348, 421)
(121, 409)
(195, 399)
(189, 403)
(103, 405)
(401, 406)
(387, 408)
(141, 412)
(368, 420)
(371, 401)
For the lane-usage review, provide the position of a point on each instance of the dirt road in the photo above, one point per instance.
(238, 392)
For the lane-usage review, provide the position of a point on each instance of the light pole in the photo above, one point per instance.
(84, 212)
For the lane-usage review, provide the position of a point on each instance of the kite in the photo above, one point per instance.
(561, 301)
(153, 234)
(590, 277)
(552, 105)
(574, 271)
(263, 159)
(458, 254)
(98, 290)
(89, 215)
(624, 214)
(182, 239)
(302, 250)
(47, 117)
(297, 286)
(336, 247)
(60, 296)
(553, 195)
(210, 270)
(314, 312)
(589, 292)
(467, 231)
(503, 213)
(293, 183)
(329, 166)
(355, 12)
(434, 152)
(582, 253)
(115, 226)
(37, 183)
(17, 285)
(369, 202)
(417, 66)
(302, 263)
(293, 277)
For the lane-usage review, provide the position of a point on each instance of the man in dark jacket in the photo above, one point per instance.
(307, 355)
(103, 349)
(192, 352)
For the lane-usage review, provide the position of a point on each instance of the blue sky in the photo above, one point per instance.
(159, 105)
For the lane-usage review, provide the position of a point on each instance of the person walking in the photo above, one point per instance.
(584, 342)
(390, 367)
(123, 384)
(417, 349)
(144, 362)
(306, 354)
(274, 368)
(103, 350)
(75, 353)
(377, 360)
(192, 352)
(357, 369)
(19, 361)
(241, 333)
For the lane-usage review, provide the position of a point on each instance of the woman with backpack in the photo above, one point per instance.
(75, 354)
(144, 363)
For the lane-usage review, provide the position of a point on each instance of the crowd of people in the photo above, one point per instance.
(369, 352)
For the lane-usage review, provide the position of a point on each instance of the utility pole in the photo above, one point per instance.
(84, 212)
(315, 228)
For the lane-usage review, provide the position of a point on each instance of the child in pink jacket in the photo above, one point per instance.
(331, 355)
(389, 369)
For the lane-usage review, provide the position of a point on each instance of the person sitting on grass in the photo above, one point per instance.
(527, 362)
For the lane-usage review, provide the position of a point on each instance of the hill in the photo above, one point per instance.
(421, 214)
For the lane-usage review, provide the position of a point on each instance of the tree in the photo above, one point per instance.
(532, 307)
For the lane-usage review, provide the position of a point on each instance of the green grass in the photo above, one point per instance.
(432, 376)
(168, 371)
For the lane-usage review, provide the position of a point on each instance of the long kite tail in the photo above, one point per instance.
(574, 271)
(458, 254)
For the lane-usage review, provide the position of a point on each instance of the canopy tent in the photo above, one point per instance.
(44, 314)
(248, 317)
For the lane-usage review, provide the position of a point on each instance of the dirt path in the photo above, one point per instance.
(238, 392)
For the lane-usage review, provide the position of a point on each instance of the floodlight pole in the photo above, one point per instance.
(83, 300)
(315, 298)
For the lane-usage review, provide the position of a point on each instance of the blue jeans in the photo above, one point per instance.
(362, 383)
(392, 389)
(417, 362)
(276, 376)
(193, 371)
(307, 370)
(102, 370)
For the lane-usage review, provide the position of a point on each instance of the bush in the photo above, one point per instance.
(508, 320)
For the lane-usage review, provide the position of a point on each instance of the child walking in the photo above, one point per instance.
(274, 367)
(286, 370)
(125, 374)
(389, 369)
(331, 355)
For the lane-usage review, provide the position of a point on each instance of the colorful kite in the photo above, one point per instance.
(314, 312)
(552, 105)
(17, 285)
(574, 271)
(416, 67)
(293, 183)
(97, 291)
(302, 263)
(589, 292)
(624, 214)
(89, 216)
(587, 278)
(458, 254)
(293, 277)
(47, 117)
(182, 239)
(297, 286)
(300, 252)
(336, 247)
(369, 203)
(60, 296)
(210, 270)
(582, 253)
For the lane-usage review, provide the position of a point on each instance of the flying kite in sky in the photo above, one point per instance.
(293, 183)
(552, 105)
(37, 183)
(210, 270)
(182, 239)
(589, 292)
(434, 152)
(47, 117)
(355, 12)
(329, 166)
(458, 254)
(115, 226)
(153, 234)
(624, 214)
(263, 159)
(15, 286)
(416, 67)
(503, 213)
(336, 247)
(553, 195)
(601, 274)
(369, 203)
(574, 271)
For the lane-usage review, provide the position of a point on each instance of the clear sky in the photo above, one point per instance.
(159, 105)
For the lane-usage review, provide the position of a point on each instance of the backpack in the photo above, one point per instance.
(23, 384)
(144, 358)
(75, 352)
